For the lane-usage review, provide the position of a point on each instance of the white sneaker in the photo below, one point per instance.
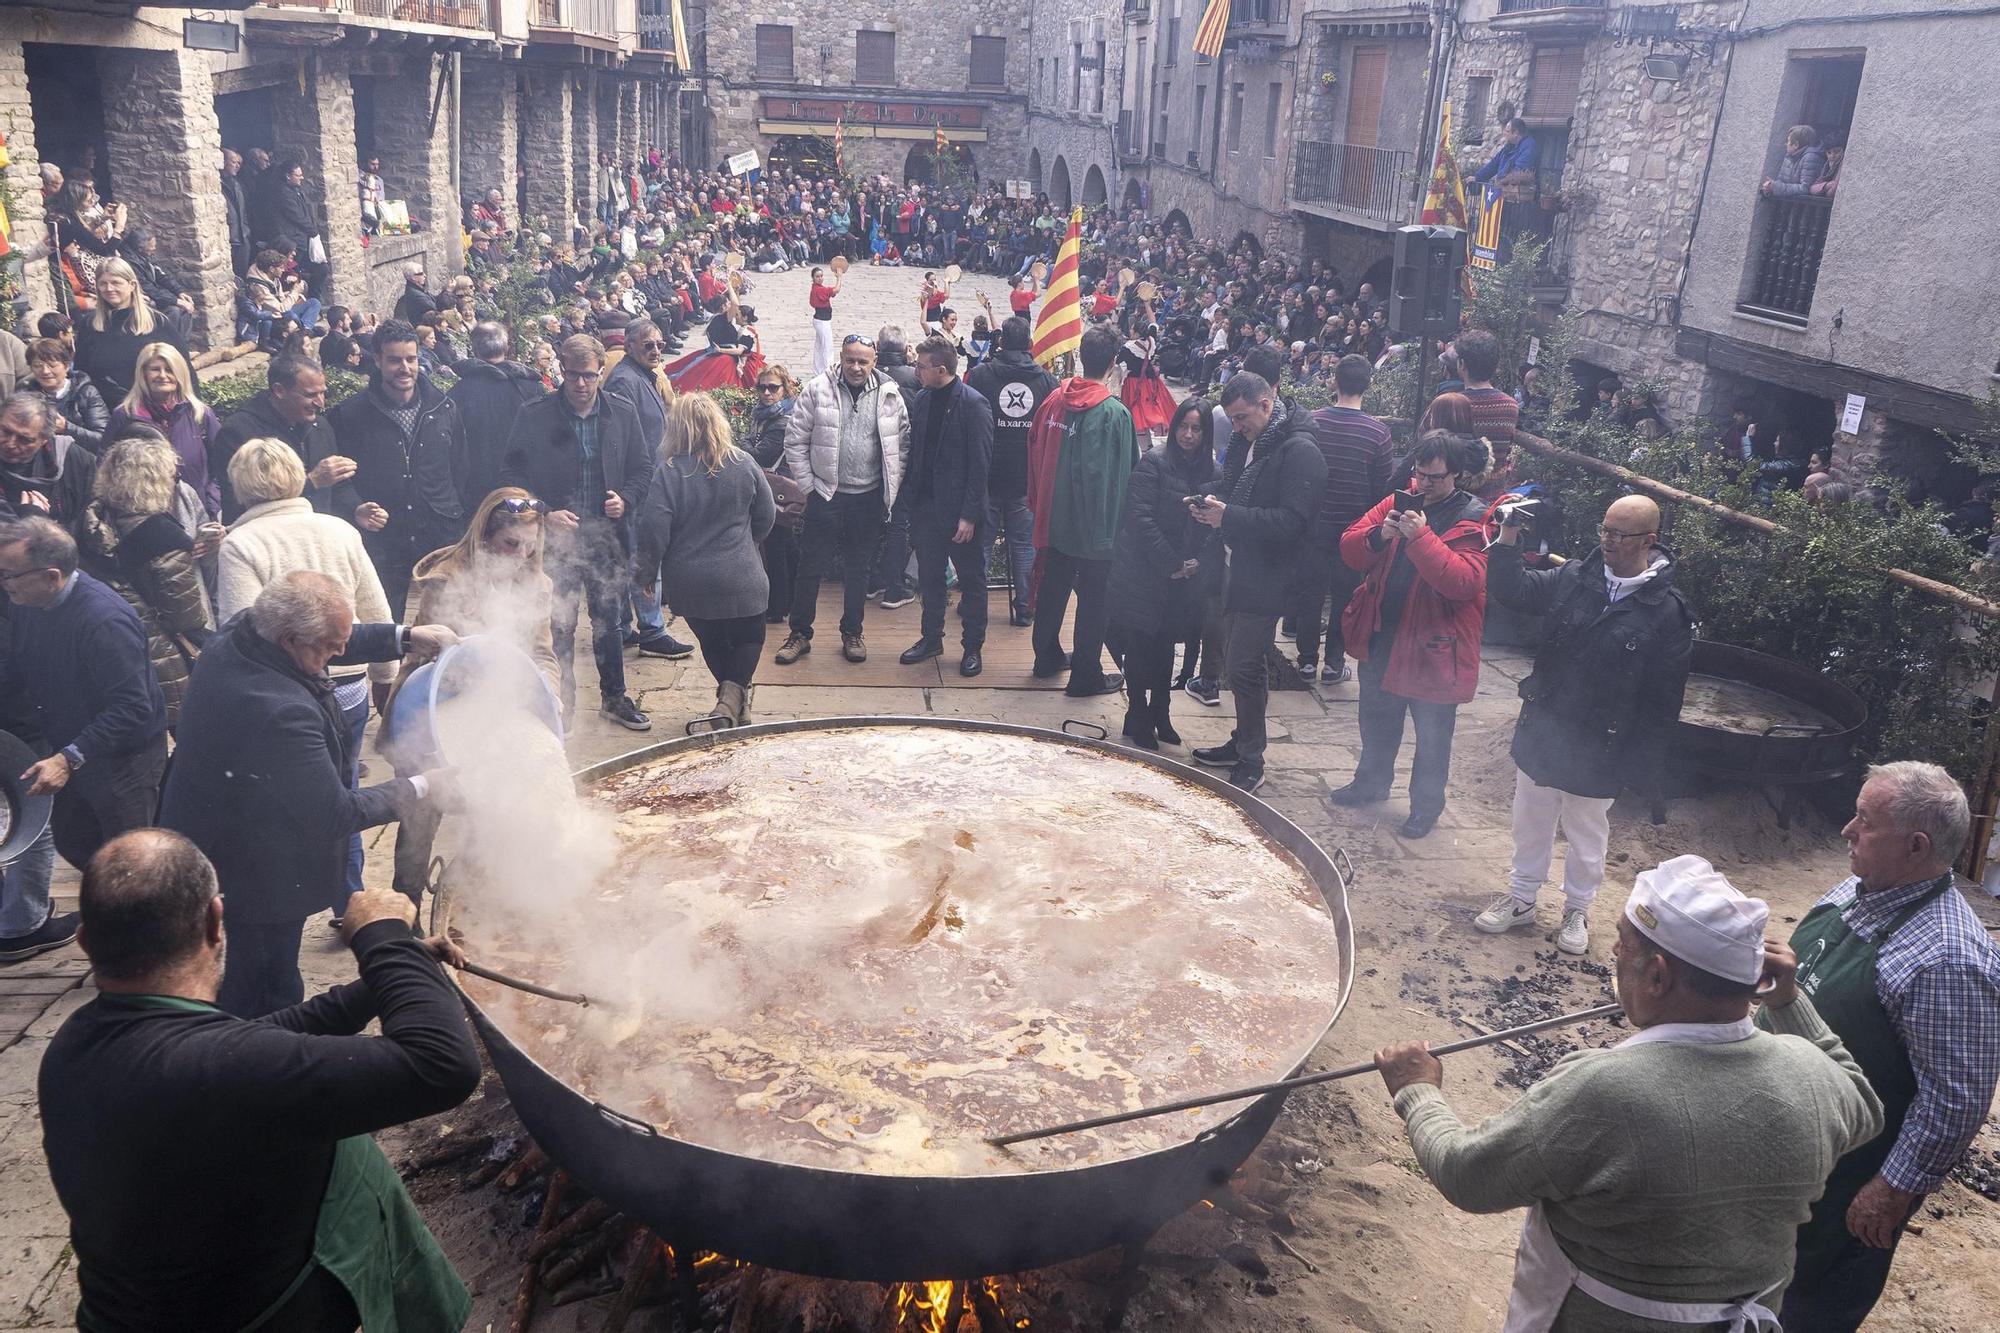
(1574, 937)
(1506, 913)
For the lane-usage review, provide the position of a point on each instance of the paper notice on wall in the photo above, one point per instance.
(1534, 351)
(1850, 416)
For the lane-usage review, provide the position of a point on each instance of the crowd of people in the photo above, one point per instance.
(247, 590)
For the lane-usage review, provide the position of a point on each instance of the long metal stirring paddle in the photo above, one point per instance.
(1302, 1081)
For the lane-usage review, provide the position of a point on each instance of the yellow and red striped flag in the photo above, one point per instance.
(1209, 32)
(682, 62)
(839, 143)
(938, 149)
(1444, 204)
(1059, 325)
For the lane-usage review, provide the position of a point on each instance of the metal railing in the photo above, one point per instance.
(1784, 263)
(1257, 14)
(1138, 9)
(1373, 182)
(599, 17)
(440, 13)
(1530, 6)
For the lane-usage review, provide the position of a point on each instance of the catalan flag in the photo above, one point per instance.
(1444, 203)
(682, 61)
(839, 143)
(1059, 325)
(939, 150)
(1208, 34)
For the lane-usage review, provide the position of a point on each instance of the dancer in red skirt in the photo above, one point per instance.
(1145, 393)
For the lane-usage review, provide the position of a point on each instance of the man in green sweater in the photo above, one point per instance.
(1666, 1177)
(1081, 451)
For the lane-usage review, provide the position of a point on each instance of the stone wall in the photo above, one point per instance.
(416, 162)
(583, 138)
(165, 152)
(489, 129)
(27, 230)
(628, 149)
(317, 128)
(546, 134)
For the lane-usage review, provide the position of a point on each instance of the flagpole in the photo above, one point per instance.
(1440, 72)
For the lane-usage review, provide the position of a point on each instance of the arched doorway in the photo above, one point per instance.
(1178, 224)
(810, 153)
(1094, 191)
(1035, 169)
(955, 168)
(1378, 276)
(1245, 241)
(1059, 192)
(1135, 194)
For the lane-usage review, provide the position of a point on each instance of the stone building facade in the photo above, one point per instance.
(783, 75)
(1075, 106)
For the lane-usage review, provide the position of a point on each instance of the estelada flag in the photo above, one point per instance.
(1485, 251)
(1209, 32)
(1444, 203)
(1059, 325)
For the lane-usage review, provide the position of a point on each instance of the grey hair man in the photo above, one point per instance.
(259, 781)
(1902, 970)
(416, 301)
(492, 389)
(41, 472)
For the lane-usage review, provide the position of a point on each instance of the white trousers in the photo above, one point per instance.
(1586, 823)
(822, 345)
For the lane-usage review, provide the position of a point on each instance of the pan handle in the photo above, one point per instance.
(623, 1121)
(1343, 866)
(1087, 729)
(708, 724)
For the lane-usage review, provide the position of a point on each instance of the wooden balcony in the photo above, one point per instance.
(466, 15)
(1552, 18)
(1784, 261)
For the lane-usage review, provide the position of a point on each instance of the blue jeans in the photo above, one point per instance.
(604, 587)
(1013, 520)
(24, 888)
(892, 570)
(357, 723)
(306, 313)
(646, 610)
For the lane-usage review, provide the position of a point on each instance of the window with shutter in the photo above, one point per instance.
(875, 57)
(1552, 83)
(989, 62)
(774, 51)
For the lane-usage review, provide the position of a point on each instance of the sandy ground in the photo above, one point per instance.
(1370, 1245)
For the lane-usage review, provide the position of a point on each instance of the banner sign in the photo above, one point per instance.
(829, 110)
(742, 164)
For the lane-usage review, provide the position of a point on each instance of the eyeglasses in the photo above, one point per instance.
(854, 338)
(8, 576)
(769, 388)
(1605, 534)
(651, 345)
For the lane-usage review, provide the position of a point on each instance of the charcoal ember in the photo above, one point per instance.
(1247, 1259)
(1979, 1171)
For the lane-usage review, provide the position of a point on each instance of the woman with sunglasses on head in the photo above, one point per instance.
(489, 582)
(777, 391)
(705, 514)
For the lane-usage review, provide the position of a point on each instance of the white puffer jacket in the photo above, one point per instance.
(812, 436)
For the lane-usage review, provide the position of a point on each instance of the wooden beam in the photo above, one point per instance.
(1660, 490)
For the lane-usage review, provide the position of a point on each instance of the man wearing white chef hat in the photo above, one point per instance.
(1665, 1178)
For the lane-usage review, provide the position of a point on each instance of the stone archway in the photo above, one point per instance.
(1094, 190)
(1177, 222)
(1244, 240)
(920, 165)
(1135, 194)
(1035, 169)
(1059, 187)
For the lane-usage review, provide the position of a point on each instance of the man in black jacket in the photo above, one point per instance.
(415, 302)
(1272, 486)
(1599, 708)
(292, 408)
(944, 495)
(408, 447)
(280, 211)
(204, 1160)
(579, 450)
(638, 379)
(259, 778)
(236, 208)
(1016, 387)
(490, 393)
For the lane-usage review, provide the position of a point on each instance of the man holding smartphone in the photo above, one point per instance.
(1273, 480)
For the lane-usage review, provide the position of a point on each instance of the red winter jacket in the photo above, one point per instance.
(1434, 657)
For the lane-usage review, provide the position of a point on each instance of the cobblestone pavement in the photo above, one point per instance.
(869, 298)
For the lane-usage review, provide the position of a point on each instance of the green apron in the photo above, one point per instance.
(1837, 973)
(371, 1238)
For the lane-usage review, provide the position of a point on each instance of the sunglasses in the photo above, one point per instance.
(514, 506)
(769, 388)
(650, 345)
(854, 338)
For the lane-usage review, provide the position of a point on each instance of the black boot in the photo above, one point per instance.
(1163, 725)
(1139, 721)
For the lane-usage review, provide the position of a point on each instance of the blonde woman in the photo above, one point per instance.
(110, 338)
(706, 513)
(489, 582)
(278, 533)
(164, 399)
(130, 539)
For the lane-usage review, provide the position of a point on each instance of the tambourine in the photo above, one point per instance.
(952, 273)
(1126, 277)
(1147, 291)
(839, 265)
(1039, 269)
(732, 260)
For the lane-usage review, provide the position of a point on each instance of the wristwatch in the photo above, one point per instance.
(71, 756)
(402, 640)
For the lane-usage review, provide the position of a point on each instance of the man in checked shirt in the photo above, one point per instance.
(1902, 971)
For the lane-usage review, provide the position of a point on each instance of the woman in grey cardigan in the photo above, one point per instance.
(706, 513)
